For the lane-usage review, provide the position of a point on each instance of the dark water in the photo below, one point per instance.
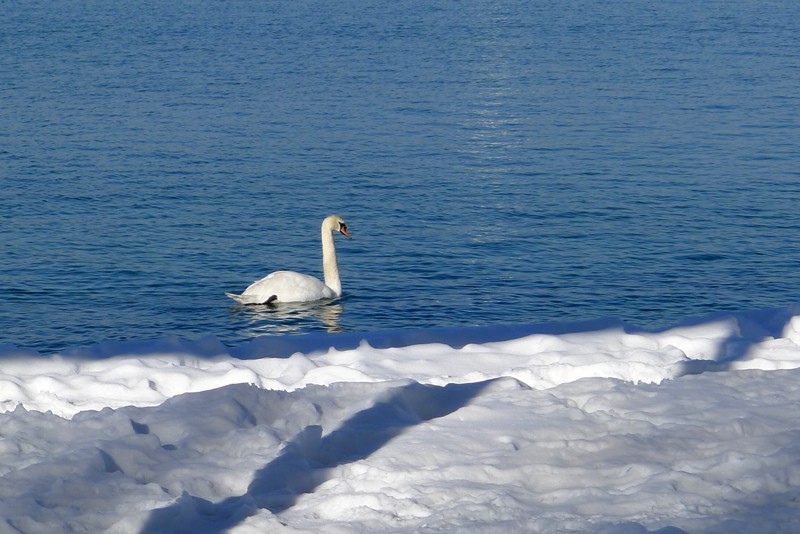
(496, 161)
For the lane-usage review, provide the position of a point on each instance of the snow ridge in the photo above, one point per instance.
(588, 427)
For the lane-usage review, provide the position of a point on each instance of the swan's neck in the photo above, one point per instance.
(329, 266)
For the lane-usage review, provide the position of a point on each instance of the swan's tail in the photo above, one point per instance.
(241, 299)
(251, 299)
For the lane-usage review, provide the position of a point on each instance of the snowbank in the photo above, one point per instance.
(587, 427)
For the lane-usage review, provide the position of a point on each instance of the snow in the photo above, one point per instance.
(586, 427)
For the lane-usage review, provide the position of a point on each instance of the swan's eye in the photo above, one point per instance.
(342, 226)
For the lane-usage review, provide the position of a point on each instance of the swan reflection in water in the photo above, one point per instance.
(290, 317)
(285, 302)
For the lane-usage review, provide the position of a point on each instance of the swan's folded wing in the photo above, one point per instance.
(288, 286)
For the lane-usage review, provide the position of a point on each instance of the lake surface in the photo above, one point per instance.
(496, 162)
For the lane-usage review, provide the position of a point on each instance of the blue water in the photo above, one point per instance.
(497, 161)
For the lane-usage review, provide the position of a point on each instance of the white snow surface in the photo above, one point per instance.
(587, 427)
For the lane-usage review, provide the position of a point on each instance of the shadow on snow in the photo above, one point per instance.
(745, 329)
(308, 460)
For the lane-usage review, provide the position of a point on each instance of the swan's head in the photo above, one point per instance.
(336, 223)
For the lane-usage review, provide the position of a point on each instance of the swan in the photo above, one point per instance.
(290, 286)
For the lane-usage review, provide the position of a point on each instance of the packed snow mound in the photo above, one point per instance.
(589, 427)
(146, 373)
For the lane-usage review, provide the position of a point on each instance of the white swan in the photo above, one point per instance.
(289, 286)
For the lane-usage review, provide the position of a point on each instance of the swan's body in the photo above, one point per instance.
(289, 286)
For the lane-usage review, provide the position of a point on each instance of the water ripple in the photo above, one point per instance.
(497, 162)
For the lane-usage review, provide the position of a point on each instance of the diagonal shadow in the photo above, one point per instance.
(308, 460)
(751, 328)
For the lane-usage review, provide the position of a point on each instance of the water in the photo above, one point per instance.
(496, 161)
